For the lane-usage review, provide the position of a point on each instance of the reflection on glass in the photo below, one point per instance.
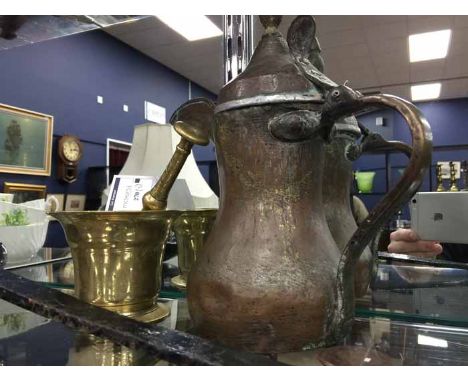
(23, 30)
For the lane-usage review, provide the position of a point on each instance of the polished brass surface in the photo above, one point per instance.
(179, 282)
(440, 181)
(453, 179)
(156, 198)
(190, 124)
(191, 229)
(117, 258)
(90, 350)
(157, 313)
(191, 133)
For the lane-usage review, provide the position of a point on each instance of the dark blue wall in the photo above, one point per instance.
(63, 77)
(448, 121)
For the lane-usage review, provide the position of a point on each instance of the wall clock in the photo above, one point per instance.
(70, 151)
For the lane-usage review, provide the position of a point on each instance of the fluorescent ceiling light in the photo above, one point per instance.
(429, 46)
(425, 91)
(432, 341)
(192, 27)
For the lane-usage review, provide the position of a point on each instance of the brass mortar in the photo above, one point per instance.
(117, 259)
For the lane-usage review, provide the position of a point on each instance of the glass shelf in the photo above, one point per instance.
(412, 315)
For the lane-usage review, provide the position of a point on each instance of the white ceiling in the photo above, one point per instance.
(371, 52)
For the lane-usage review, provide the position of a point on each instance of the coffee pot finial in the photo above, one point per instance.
(270, 23)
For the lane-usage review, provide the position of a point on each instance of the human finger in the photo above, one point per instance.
(404, 234)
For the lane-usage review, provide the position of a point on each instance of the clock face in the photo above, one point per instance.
(71, 150)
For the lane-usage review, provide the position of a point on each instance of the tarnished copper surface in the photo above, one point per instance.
(341, 103)
(337, 178)
(265, 279)
(272, 76)
(271, 277)
(338, 173)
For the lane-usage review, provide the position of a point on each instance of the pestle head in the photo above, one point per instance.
(194, 120)
(197, 135)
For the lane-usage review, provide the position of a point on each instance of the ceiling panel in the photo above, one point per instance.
(370, 51)
(396, 74)
(423, 24)
(459, 42)
(426, 70)
(455, 88)
(457, 66)
(341, 38)
(385, 31)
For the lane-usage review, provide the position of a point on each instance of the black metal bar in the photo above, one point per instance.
(170, 345)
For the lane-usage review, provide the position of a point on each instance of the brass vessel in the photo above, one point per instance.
(440, 181)
(453, 178)
(191, 229)
(117, 259)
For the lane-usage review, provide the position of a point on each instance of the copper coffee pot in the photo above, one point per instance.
(338, 174)
(270, 277)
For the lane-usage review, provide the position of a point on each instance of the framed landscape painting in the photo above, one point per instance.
(25, 141)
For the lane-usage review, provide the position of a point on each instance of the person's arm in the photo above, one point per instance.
(406, 241)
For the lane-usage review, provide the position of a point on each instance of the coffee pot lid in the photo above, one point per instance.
(280, 71)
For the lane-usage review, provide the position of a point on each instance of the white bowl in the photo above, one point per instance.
(22, 242)
(34, 215)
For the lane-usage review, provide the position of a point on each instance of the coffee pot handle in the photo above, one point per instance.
(343, 101)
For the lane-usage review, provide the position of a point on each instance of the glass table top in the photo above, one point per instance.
(412, 315)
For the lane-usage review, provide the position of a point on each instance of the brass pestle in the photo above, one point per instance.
(193, 130)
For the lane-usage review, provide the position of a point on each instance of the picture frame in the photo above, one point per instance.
(25, 141)
(60, 199)
(75, 202)
(24, 192)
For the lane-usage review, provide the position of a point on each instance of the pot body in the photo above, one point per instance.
(265, 280)
(117, 257)
(337, 178)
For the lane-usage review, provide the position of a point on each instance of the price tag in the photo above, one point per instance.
(126, 192)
